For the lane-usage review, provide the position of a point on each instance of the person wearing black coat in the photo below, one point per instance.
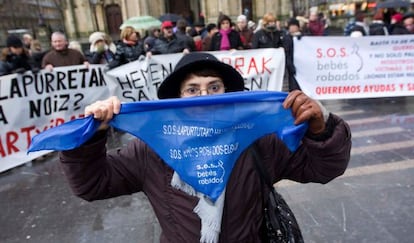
(15, 58)
(270, 37)
(128, 49)
(397, 27)
(226, 38)
(169, 42)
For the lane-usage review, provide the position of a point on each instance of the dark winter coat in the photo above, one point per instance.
(266, 39)
(176, 44)
(12, 63)
(94, 175)
(100, 57)
(358, 27)
(126, 53)
(234, 39)
(189, 41)
(399, 29)
(378, 28)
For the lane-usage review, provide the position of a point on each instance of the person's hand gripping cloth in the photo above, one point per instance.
(200, 138)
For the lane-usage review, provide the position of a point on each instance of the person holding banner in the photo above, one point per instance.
(237, 215)
(61, 55)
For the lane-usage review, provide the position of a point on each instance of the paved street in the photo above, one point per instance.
(372, 202)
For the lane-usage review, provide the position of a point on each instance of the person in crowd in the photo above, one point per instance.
(270, 37)
(183, 35)
(199, 29)
(397, 27)
(15, 58)
(99, 50)
(293, 28)
(94, 173)
(169, 42)
(37, 53)
(251, 25)
(211, 30)
(359, 28)
(27, 41)
(75, 45)
(316, 26)
(198, 33)
(226, 38)
(246, 34)
(61, 55)
(408, 21)
(377, 26)
(128, 49)
(259, 26)
(153, 34)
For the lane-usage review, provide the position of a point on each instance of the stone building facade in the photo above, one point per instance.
(79, 18)
(83, 17)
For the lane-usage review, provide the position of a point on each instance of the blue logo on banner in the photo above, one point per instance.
(200, 138)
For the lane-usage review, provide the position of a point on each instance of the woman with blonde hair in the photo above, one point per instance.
(129, 48)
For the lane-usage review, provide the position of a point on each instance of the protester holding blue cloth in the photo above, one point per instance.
(189, 206)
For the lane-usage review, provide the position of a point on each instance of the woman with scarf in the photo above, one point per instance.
(226, 38)
(100, 51)
(185, 215)
(128, 49)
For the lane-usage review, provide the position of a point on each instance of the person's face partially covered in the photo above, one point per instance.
(197, 85)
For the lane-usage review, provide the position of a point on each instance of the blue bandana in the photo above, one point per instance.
(200, 138)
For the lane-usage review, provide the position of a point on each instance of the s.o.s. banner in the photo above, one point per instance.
(32, 103)
(359, 67)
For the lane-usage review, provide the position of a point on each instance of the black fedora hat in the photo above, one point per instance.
(170, 87)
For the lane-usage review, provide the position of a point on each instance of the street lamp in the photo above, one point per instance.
(93, 4)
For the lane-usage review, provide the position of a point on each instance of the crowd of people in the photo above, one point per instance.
(26, 54)
(383, 22)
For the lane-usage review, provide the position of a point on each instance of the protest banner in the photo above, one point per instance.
(365, 67)
(30, 104)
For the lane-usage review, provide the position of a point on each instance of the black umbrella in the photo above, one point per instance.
(169, 17)
(394, 4)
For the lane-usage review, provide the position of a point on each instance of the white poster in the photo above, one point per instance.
(363, 67)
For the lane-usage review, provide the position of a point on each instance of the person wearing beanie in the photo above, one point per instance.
(226, 38)
(185, 214)
(61, 55)
(99, 50)
(397, 27)
(15, 58)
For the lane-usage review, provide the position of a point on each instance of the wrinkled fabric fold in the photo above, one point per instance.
(200, 138)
